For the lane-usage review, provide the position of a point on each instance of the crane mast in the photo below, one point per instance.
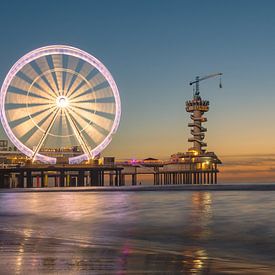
(197, 107)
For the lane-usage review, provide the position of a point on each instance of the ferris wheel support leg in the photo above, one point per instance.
(78, 135)
(40, 143)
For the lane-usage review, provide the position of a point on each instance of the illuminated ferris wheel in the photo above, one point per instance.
(59, 97)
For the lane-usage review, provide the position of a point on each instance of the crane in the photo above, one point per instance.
(198, 79)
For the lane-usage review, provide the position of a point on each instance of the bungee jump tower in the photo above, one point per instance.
(200, 165)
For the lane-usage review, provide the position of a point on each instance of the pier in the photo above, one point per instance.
(41, 176)
(60, 176)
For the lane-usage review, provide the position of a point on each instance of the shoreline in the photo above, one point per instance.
(222, 187)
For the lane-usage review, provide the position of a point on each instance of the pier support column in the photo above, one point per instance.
(2, 177)
(94, 178)
(46, 182)
(42, 179)
(119, 178)
(91, 178)
(80, 178)
(157, 176)
(102, 178)
(116, 178)
(29, 179)
(212, 180)
(99, 178)
(111, 177)
(123, 179)
(134, 179)
(21, 180)
(68, 180)
(62, 178)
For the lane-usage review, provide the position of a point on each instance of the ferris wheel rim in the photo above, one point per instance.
(70, 51)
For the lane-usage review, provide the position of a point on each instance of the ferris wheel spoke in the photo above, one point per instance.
(73, 139)
(77, 88)
(47, 65)
(88, 77)
(21, 80)
(85, 75)
(96, 90)
(97, 126)
(72, 75)
(90, 123)
(40, 70)
(79, 81)
(24, 93)
(93, 80)
(59, 77)
(56, 64)
(106, 115)
(74, 78)
(101, 100)
(20, 114)
(11, 106)
(78, 135)
(25, 117)
(70, 63)
(84, 124)
(82, 94)
(103, 109)
(85, 116)
(67, 79)
(77, 102)
(51, 76)
(45, 134)
(37, 115)
(30, 129)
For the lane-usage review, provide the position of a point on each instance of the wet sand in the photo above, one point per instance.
(137, 233)
(217, 187)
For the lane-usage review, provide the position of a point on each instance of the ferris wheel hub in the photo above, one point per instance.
(62, 102)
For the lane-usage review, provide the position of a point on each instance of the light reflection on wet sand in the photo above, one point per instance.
(153, 232)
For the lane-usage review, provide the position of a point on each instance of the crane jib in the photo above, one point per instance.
(204, 77)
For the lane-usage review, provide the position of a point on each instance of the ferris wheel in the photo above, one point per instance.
(59, 97)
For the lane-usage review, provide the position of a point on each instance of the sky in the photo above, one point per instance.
(153, 50)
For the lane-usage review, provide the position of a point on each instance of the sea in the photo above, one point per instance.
(150, 232)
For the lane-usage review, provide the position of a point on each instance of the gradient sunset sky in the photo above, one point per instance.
(153, 48)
